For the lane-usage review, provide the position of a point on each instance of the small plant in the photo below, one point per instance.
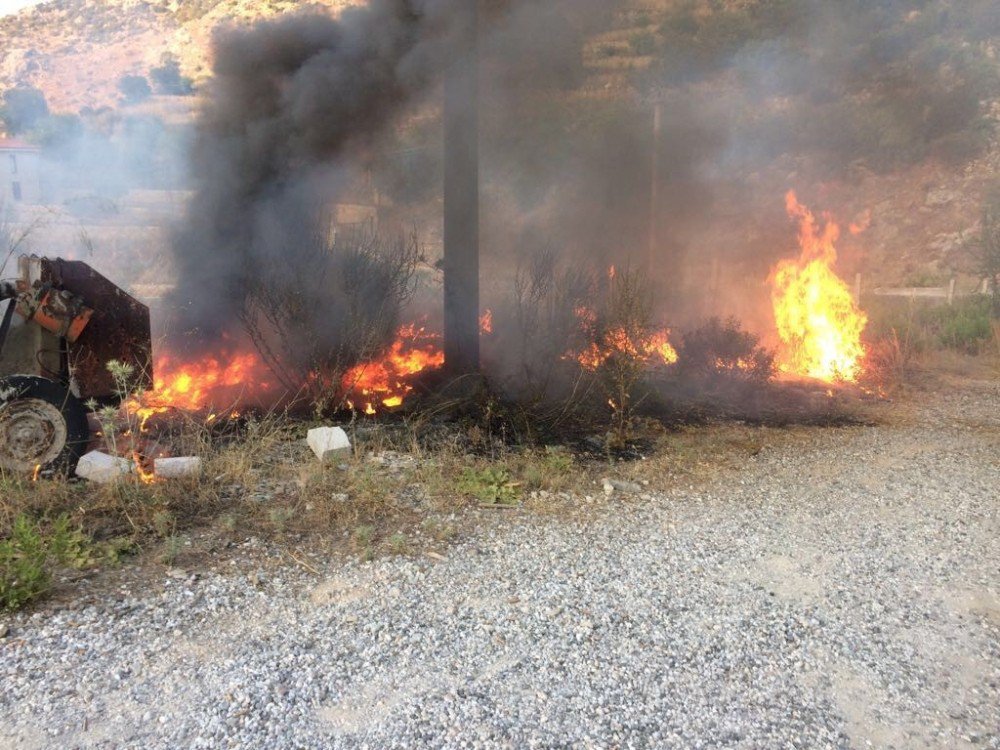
(280, 518)
(399, 544)
(69, 545)
(110, 418)
(964, 326)
(117, 548)
(24, 559)
(173, 546)
(363, 538)
(546, 305)
(227, 521)
(31, 553)
(164, 523)
(549, 469)
(323, 306)
(492, 486)
(440, 531)
(617, 330)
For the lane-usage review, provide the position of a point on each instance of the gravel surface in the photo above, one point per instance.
(843, 590)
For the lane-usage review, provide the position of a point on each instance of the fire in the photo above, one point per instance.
(146, 475)
(819, 322)
(486, 323)
(656, 349)
(191, 385)
(388, 380)
(199, 385)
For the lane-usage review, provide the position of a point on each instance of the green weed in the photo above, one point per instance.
(491, 485)
(32, 552)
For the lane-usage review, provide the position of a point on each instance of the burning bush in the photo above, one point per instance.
(576, 341)
(545, 322)
(623, 343)
(326, 306)
(723, 349)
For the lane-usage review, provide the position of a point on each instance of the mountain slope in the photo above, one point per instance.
(77, 50)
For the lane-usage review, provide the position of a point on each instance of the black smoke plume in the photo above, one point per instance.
(290, 99)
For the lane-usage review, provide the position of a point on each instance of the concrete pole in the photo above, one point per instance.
(654, 189)
(461, 197)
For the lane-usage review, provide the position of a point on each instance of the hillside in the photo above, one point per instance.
(77, 50)
(890, 111)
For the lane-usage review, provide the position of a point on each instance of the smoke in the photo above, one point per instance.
(292, 105)
(756, 97)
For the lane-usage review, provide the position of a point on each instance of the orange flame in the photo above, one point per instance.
(388, 380)
(191, 385)
(486, 323)
(383, 382)
(819, 322)
(146, 475)
(656, 349)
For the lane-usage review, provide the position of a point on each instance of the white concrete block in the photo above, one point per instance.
(102, 468)
(177, 467)
(329, 442)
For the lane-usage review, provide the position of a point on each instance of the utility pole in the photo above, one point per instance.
(654, 189)
(461, 197)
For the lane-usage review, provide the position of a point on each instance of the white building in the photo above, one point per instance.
(19, 172)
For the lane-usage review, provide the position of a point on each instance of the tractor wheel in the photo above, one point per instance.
(42, 426)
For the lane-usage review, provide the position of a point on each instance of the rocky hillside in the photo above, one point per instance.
(891, 111)
(76, 51)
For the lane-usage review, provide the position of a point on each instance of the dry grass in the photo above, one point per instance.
(392, 495)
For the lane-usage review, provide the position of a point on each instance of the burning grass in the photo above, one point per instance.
(407, 488)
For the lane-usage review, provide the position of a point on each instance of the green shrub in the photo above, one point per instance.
(491, 485)
(23, 565)
(723, 349)
(962, 327)
(643, 43)
(31, 553)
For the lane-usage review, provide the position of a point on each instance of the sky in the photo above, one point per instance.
(12, 6)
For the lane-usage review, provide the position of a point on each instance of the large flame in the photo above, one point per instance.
(818, 320)
(196, 385)
(212, 383)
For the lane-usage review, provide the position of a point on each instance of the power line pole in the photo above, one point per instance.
(461, 197)
(654, 189)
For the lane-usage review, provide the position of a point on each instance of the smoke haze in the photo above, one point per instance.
(756, 98)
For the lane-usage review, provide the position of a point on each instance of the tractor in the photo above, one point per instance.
(61, 323)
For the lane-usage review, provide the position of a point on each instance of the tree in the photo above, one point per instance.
(23, 108)
(167, 78)
(58, 131)
(134, 89)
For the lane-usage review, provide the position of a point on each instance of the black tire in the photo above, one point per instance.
(42, 425)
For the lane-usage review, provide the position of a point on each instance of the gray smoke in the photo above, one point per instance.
(757, 97)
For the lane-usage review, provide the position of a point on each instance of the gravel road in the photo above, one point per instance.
(843, 590)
